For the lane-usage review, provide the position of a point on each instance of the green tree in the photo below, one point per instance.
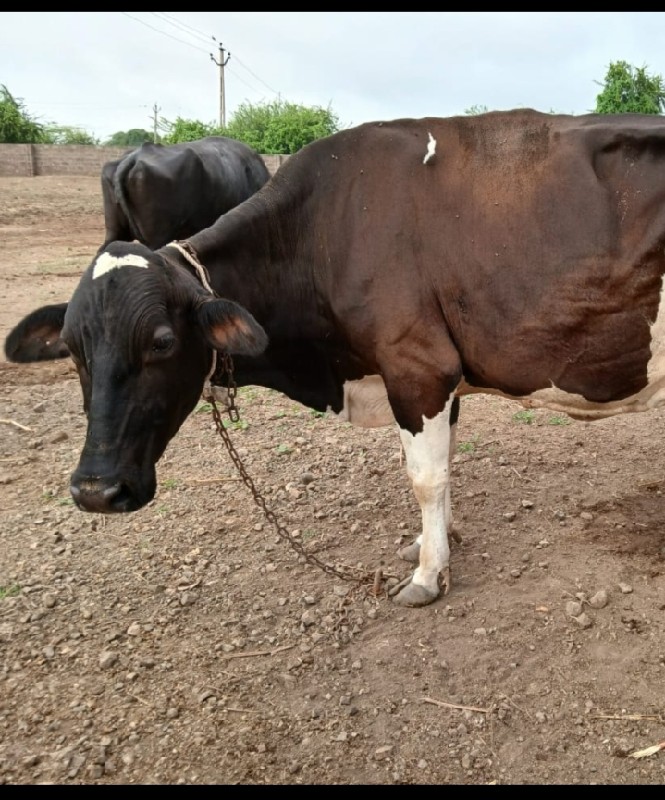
(474, 110)
(134, 137)
(16, 125)
(280, 127)
(188, 130)
(62, 134)
(628, 89)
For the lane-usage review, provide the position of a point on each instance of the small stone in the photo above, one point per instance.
(480, 631)
(49, 651)
(308, 618)
(509, 516)
(134, 629)
(107, 658)
(586, 516)
(573, 608)
(383, 752)
(626, 588)
(583, 620)
(540, 716)
(49, 600)
(598, 600)
(527, 503)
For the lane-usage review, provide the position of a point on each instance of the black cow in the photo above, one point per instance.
(518, 253)
(158, 193)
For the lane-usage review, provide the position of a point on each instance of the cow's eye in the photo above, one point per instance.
(163, 342)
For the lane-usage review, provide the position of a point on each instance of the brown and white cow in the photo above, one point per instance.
(518, 253)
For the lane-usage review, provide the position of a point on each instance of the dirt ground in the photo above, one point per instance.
(190, 643)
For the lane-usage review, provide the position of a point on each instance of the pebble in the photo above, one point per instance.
(107, 659)
(626, 588)
(599, 599)
(573, 608)
(382, 752)
(49, 600)
(583, 620)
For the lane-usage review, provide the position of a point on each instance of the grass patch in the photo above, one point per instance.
(9, 591)
(559, 419)
(524, 417)
(469, 445)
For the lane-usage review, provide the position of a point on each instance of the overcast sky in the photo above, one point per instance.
(106, 71)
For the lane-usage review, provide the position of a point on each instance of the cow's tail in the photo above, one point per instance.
(119, 187)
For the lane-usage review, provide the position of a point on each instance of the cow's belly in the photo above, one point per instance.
(366, 401)
(652, 396)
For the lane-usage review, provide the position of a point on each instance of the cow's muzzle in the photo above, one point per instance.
(104, 497)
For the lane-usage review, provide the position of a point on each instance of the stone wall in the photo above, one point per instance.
(26, 160)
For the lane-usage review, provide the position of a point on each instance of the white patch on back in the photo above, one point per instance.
(431, 148)
(106, 262)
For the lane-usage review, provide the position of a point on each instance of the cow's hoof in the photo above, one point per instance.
(408, 593)
(410, 553)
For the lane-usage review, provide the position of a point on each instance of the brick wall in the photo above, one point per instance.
(26, 160)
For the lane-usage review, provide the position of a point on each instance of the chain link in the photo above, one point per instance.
(344, 572)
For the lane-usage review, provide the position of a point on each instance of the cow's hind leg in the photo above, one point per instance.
(427, 464)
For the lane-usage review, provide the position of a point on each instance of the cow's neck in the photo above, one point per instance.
(257, 264)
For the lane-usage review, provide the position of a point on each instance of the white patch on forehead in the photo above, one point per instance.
(431, 148)
(106, 262)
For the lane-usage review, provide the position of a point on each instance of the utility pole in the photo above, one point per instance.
(155, 111)
(222, 101)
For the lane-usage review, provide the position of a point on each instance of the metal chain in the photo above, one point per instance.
(344, 572)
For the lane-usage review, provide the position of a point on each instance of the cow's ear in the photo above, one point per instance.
(37, 336)
(228, 326)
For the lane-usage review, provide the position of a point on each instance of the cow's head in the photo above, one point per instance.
(141, 332)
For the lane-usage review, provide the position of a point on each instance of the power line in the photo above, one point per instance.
(249, 85)
(164, 33)
(256, 76)
(206, 37)
(181, 25)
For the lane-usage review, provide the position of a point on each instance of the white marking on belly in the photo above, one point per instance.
(431, 148)
(106, 262)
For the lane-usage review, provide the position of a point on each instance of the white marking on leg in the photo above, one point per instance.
(427, 465)
(106, 262)
(448, 501)
(431, 148)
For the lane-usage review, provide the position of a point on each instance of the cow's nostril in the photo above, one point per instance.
(100, 499)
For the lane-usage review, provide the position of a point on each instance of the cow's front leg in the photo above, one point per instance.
(411, 552)
(427, 465)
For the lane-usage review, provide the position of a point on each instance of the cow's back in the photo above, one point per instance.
(158, 193)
